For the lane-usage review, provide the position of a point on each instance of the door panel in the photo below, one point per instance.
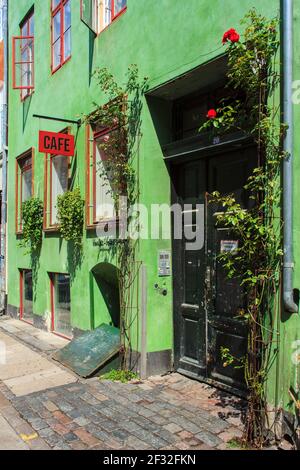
(190, 345)
(228, 174)
(206, 302)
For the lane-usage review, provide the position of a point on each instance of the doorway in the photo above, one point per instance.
(26, 296)
(105, 297)
(206, 302)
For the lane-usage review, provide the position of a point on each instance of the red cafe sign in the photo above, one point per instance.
(56, 144)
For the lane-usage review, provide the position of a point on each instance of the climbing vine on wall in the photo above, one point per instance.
(70, 207)
(32, 224)
(121, 117)
(253, 73)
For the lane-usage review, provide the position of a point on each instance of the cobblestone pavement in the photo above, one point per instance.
(170, 412)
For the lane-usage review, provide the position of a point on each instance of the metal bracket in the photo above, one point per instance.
(52, 118)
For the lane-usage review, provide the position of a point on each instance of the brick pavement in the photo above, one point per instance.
(169, 413)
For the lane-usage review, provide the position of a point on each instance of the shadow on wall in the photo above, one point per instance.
(26, 109)
(104, 277)
(92, 37)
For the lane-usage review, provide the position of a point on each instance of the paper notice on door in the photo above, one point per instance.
(229, 246)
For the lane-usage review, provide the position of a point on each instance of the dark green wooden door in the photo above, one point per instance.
(188, 268)
(206, 302)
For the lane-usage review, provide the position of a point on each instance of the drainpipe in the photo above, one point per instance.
(4, 161)
(288, 118)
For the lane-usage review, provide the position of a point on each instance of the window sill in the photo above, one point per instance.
(54, 229)
(102, 223)
(53, 71)
(28, 322)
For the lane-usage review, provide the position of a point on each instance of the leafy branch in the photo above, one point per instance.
(70, 207)
(120, 116)
(252, 73)
(32, 224)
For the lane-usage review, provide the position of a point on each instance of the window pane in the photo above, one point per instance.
(27, 65)
(67, 15)
(89, 14)
(95, 16)
(56, 26)
(119, 5)
(24, 29)
(57, 54)
(24, 94)
(27, 296)
(105, 208)
(59, 174)
(26, 185)
(25, 68)
(26, 55)
(67, 44)
(62, 305)
(107, 12)
(26, 178)
(55, 3)
(31, 26)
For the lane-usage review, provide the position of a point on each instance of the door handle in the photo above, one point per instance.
(208, 278)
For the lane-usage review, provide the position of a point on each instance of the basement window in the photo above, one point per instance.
(60, 33)
(61, 304)
(26, 295)
(23, 57)
(98, 14)
(57, 181)
(24, 184)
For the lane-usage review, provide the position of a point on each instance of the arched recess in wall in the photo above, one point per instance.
(104, 291)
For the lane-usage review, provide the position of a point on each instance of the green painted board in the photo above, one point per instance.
(91, 351)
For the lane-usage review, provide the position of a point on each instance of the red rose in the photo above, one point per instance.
(231, 35)
(212, 114)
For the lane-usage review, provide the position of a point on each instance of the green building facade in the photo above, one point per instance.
(178, 46)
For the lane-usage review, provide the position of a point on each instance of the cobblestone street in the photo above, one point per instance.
(170, 412)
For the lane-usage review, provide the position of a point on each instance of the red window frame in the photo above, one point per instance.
(95, 24)
(47, 224)
(59, 9)
(52, 304)
(22, 271)
(24, 28)
(114, 15)
(19, 186)
(91, 206)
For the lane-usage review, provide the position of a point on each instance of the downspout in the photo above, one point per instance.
(288, 118)
(4, 160)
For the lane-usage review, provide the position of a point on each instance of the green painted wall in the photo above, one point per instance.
(164, 38)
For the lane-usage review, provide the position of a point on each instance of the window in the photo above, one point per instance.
(102, 145)
(98, 14)
(89, 11)
(24, 184)
(61, 32)
(23, 58)
(26, 295)
(57, 182)
(61, 304)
